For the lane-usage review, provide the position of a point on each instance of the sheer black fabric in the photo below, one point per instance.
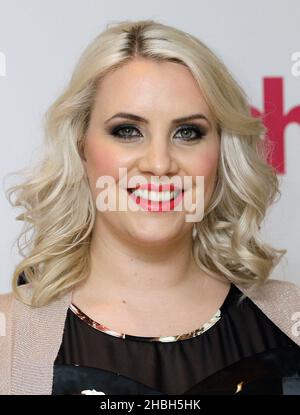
(243, 352)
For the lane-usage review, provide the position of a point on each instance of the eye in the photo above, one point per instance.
(188, 133)
(188, 130)
(125, 130)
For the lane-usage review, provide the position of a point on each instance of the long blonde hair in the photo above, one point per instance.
(57, 204)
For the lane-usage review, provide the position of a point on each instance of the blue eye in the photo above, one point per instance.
(188, 132)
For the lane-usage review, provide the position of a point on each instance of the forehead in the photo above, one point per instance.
(145, 85)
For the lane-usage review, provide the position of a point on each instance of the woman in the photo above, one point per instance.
(144, 301)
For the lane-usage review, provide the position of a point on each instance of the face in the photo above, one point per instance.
(159, 93)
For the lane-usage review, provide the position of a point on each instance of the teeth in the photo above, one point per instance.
(155, 196)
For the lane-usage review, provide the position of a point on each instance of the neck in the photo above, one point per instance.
(121, 268)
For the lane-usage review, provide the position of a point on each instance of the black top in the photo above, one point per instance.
(239, 345)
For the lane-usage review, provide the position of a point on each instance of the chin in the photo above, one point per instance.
(153, 236)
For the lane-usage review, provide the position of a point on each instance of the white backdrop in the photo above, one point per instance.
(41, 40)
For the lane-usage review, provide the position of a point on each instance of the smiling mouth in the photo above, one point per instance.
(175, 194)
(161, 201)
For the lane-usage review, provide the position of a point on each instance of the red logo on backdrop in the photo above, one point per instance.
(275, 120)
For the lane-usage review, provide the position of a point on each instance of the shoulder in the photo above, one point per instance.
(5, 302)
(280, 287)
(6, 299)
(272, 290)
(280, 301)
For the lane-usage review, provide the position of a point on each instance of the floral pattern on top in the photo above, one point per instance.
(165, 339)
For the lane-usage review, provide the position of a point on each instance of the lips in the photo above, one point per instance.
(157, 205)
(156, 188)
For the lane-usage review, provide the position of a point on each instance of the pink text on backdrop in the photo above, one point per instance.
(275, 120)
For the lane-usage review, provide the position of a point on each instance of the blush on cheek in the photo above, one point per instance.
(101, 161)
(207, 167)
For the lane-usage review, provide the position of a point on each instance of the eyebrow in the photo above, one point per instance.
(135, 117)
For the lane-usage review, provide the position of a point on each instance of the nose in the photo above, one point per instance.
(158, 158)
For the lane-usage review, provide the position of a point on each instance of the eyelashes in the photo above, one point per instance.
(187, 133)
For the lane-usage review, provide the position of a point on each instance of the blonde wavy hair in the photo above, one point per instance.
(57, 204)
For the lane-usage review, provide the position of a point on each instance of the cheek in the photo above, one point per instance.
(208, 169)
(206, 165)
(102, 160)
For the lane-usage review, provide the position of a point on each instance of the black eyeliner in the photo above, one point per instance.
(201, 131)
